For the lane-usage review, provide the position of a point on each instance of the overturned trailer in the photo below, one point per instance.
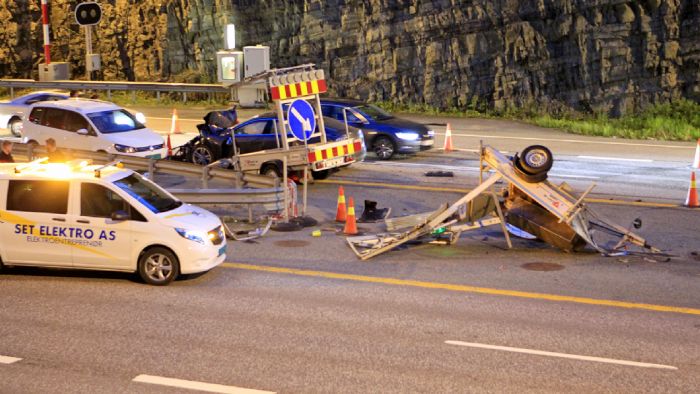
(552, 213)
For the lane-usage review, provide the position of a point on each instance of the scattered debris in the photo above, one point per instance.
(442, 174)
(373, 214)
(532, 204)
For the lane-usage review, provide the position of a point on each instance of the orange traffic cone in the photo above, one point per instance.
(169, 146)
(448, 139)
(350, 224)
(692, 200)
(696, 162)
(340, 214)
(175, 125)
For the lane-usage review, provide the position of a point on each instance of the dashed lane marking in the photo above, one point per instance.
(8, 360)
(574, 141)
(193, 385)
(465, 191)
(561, 355)
(604, 158)
(463, 288)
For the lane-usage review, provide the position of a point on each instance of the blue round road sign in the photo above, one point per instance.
(302, 119)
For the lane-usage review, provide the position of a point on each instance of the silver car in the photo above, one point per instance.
(11, 111)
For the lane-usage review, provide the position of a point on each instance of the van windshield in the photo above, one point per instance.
(147, 193)
(115, 121)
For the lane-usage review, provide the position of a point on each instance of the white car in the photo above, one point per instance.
(92, 125)
(76, 215)
(12, 111)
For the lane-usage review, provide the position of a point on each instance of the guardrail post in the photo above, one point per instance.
(12, 92)
(152, 169)
(109, 94)
(205, 177)
(30, 152)
(133, 97)
(184, 97)
(158, 96)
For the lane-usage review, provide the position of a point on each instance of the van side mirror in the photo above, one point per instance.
(120, 215)
(82, 132)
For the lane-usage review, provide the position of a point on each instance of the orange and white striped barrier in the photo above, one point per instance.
(696, 161)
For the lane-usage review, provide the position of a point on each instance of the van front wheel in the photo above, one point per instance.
(158, 266)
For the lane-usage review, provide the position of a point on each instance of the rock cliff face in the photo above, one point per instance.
(609, 56)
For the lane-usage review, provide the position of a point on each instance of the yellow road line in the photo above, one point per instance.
(463, 288)
(465, 191)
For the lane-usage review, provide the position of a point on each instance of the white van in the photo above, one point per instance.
(93, 125)
(74, 215)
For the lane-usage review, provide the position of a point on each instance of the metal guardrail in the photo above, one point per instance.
(109, 86)
(248, 189)
(153, 166)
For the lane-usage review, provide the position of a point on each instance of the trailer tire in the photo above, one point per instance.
(536, 159)
(272, 170)
(525, 175)
(319, 175)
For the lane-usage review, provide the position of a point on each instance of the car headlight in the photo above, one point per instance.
(192, 235)
(407, 136)
(124, 148)
(431, 133)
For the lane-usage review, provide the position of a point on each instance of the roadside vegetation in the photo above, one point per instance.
(677, 121)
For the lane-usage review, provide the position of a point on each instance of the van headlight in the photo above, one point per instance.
(192, 235)
(431, 133)
(124, 148)
(407, 136)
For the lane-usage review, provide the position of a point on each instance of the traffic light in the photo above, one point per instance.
(87, 14)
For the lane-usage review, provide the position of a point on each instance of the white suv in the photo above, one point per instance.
(92, 125)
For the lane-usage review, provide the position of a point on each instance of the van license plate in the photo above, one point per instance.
(222, 250)
(156, 156)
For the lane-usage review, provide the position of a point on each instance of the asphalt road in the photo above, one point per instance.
(295, 313)
(638, 170)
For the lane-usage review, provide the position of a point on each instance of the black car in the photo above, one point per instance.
(384, 133)
(215, 139)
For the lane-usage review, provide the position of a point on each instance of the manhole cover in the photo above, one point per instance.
(542, 266)
(292, 243)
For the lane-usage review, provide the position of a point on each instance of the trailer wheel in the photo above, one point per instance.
(536, 159)
(323, 174)
(525, 175)
(271, 170)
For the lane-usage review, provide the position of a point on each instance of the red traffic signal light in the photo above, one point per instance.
(87, 14)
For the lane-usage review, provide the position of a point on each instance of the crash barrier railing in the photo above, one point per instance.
(110, 86)
(248, 189)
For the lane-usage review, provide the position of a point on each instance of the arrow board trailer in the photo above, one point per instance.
(549, 212)
(297, 90)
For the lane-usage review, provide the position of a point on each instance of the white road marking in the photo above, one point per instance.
(540, 139)
(192, 385)
(573, 176)
(561, 355)
(8, 360)
(458, 168)
(614, 159)
(181, 119)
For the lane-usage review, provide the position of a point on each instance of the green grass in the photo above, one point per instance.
(677, 121)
